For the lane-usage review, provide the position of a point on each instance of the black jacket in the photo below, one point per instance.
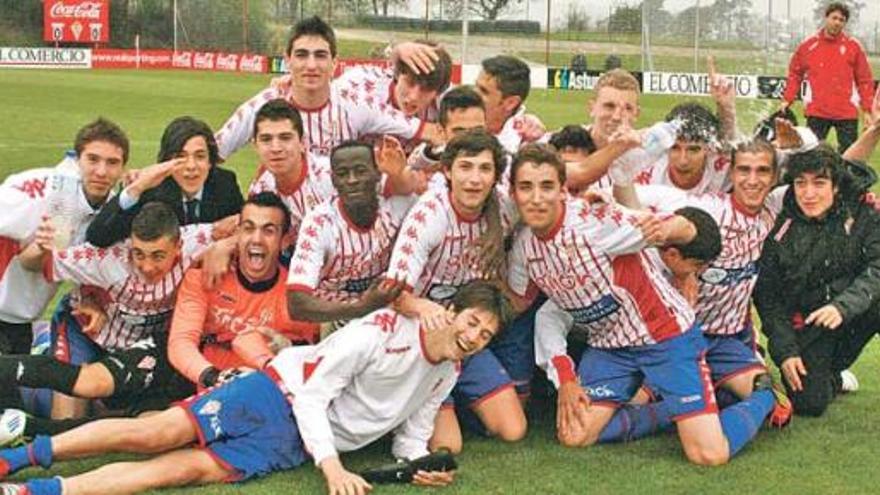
(806, 264)
(221, 197)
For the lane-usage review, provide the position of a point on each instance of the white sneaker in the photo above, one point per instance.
(848, 382)
(12, 424)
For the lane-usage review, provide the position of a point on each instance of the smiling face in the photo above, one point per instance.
(471, 179)
(355, 177)
(259, 241)
(154, 259)
(311, 64)
(278, 146)
(101, 165)
(752, 176)
(192, 176)
(612, 108)
(498, 107)
(473, 329)
(814, 194)
(687, 162)
(538, 195)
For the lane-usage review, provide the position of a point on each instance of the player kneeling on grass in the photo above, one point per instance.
(379, 374)
(639, 327)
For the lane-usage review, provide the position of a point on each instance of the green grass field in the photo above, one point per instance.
(836, 454)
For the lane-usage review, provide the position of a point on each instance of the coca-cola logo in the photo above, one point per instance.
(251, 63)
(227, 61)
(203, 60)
(182, 59)
(82, 10)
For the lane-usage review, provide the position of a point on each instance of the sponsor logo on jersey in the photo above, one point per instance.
(606, 305)
(600, 391)
(729, 276)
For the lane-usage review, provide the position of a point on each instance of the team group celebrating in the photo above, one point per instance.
(406, 258)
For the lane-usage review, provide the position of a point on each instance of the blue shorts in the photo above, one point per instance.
(675, 368)
(247, 425)
(515, 348)
(482, 376)
(731, 355)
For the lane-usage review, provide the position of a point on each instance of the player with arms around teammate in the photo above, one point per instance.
(588, 260)
(379, 374)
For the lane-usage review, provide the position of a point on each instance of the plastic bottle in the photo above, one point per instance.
(660, 137)
(63, 198)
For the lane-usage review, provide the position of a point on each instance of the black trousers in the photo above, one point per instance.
(847, 130)
(15, 338)
(831, 352)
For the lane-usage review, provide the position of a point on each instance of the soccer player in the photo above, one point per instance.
(504, 83)
(329, 117)
(838, 75)
(344, 244)
(588, 261)
(461, 109)
(126, 358)
(438, 250)
(102, 152)
(234, 322)
(697, 163)
(379, 374)
(745, 216)
(194, 186)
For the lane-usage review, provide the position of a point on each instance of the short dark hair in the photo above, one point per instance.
(706, 245)
(351, 143)
(279, 109)
(458, 98)
(573, 136)
(484, 295)
(538, 154)
(154, 221)
(472, 143)
(837, 7)
(698, 123)
(756, 145)
(511, 74)
(436, 80)
(313, 26)
(822, 161)
(101, 129)
(268, 199)
(181, 130)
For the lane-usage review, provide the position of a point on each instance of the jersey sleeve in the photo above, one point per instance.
(23, 201)
(187, 324)
(368, 116)
(335, 364)
(194, 240)
(552, 325)
(399, 206)
(517, 268)
(411, 438)
(86, 264)
(313, 245)
(613, 230)
(423, 229)
(239, 127)
(661, 198)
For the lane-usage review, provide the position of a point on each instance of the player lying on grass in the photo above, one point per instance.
(380, 374)
(126, 358)
(588, 260)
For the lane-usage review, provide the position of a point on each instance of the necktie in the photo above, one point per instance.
(192, 207)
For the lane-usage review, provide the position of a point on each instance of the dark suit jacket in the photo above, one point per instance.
(221, 197)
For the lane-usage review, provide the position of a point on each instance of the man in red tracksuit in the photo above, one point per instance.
(837, 70)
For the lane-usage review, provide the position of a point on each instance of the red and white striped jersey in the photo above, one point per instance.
(725, 286)
(592, 266)
(136, 309)
(437, 248)
(24, 200)
(312, 188)
(347, 114)
(715, 177)
(365, 380)
(338, 260)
